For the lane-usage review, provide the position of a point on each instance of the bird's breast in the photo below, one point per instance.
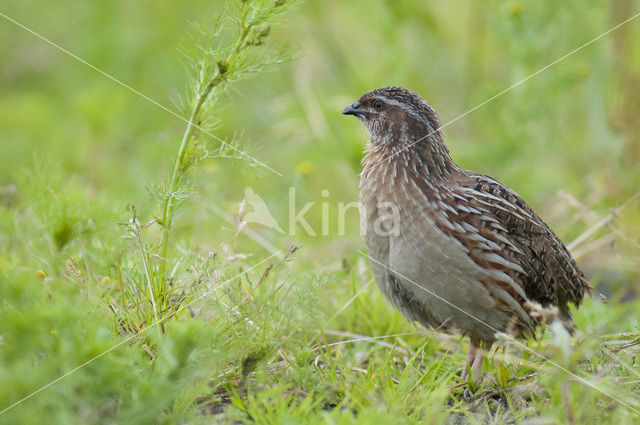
(400, 226)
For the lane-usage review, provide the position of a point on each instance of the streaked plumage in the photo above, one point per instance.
(450, 248)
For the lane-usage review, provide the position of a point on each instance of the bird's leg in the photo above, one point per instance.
(476, 367)
(473, 348)
(474, 360)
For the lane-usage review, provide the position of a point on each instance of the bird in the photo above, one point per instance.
(452, 249)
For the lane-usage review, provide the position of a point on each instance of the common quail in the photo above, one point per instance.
(450, 248)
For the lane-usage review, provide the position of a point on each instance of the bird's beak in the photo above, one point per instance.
(354, 109)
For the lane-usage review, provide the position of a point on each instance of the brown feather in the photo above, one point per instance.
(467, 253)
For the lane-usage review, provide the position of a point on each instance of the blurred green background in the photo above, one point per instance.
(76, 148)
(572, 128)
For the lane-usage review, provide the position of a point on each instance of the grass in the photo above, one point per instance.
(123, 236)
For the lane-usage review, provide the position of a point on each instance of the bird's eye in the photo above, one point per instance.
(377, 104)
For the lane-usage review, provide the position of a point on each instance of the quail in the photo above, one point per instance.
(450, 248)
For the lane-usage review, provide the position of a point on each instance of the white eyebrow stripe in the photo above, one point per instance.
(408, 108)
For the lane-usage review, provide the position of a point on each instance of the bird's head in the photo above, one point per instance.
(395, 116)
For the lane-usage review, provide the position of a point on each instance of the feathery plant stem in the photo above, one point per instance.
(233, 49)
(175, 179)
(145, 263)
(262, 17)
(168, 206)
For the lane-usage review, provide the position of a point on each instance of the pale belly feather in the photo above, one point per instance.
(428, 276)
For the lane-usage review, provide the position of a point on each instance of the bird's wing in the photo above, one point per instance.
(548, 274)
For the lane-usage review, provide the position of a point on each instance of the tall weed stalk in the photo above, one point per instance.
(236, 46)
